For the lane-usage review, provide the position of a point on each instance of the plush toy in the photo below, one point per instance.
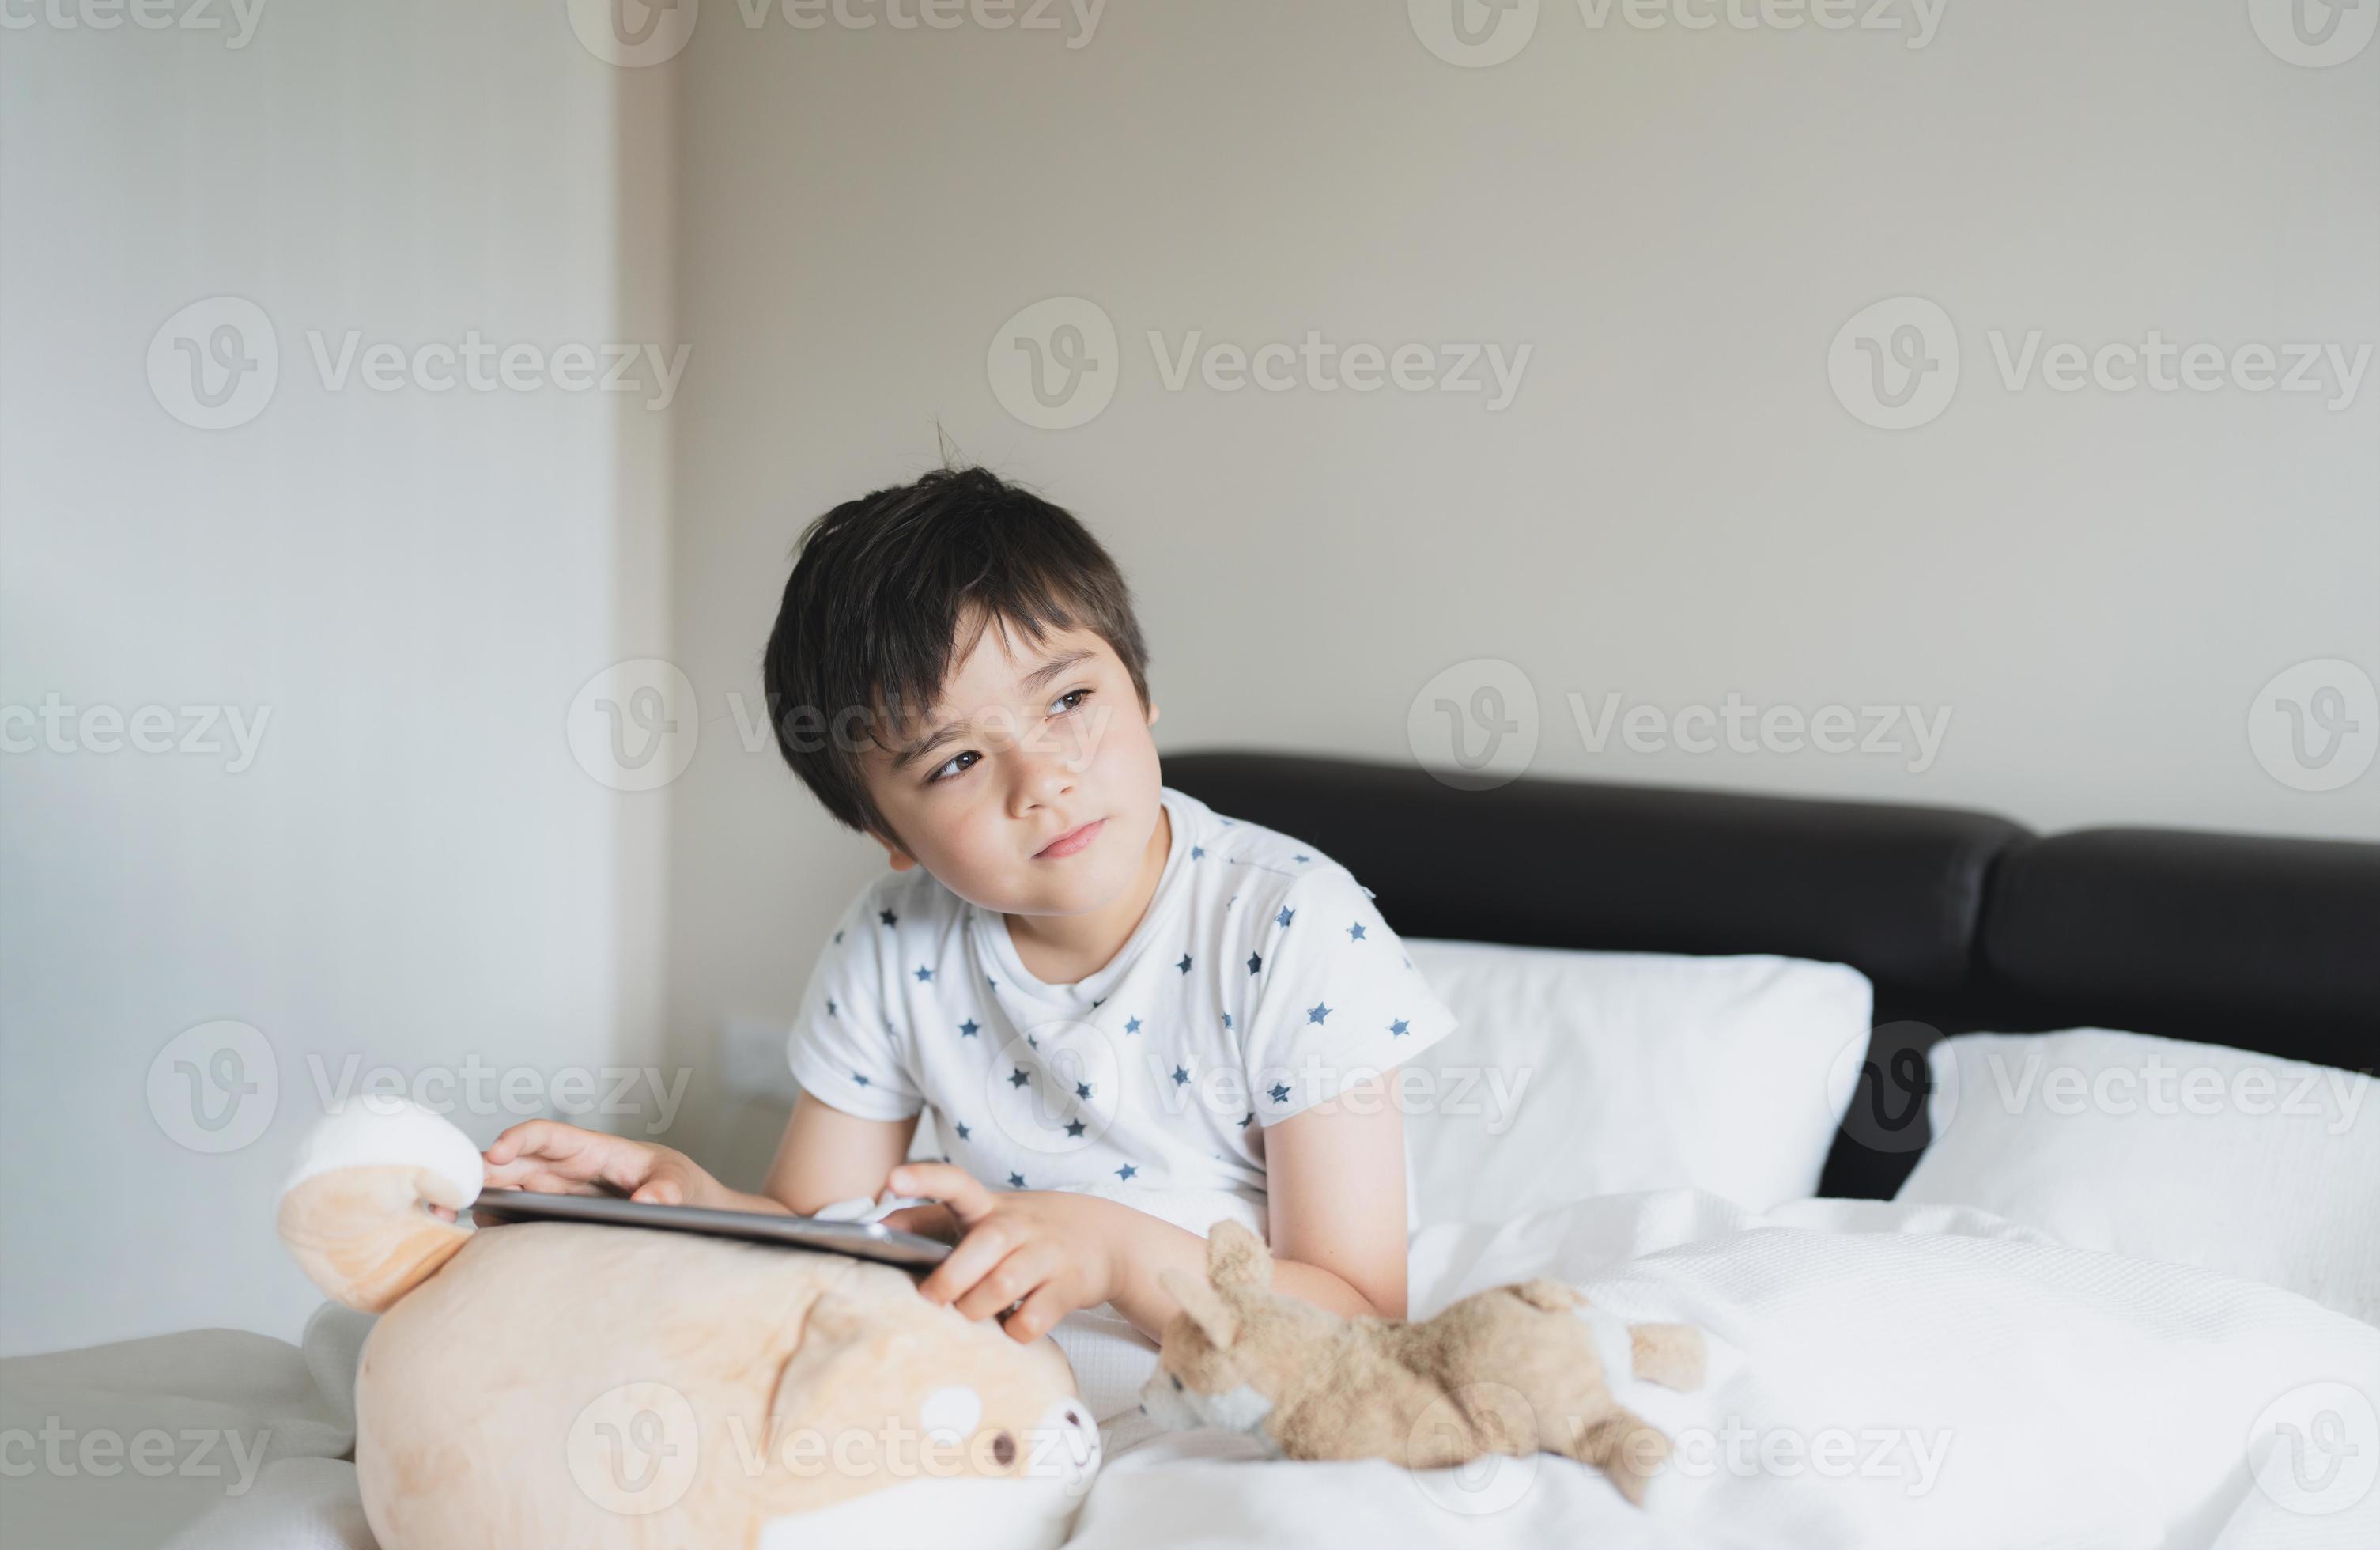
(601, 1387)
(1514, 1370)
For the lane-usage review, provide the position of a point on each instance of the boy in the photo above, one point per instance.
(1131, 1015)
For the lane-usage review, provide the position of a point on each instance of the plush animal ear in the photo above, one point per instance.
(1209, 1313)
(355, 1212)
(1236, 1257)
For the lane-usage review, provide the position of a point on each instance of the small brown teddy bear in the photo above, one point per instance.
(1512, 1370)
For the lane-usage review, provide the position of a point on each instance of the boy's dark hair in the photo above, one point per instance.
(869, 625)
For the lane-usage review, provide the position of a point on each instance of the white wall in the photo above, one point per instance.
(1674, 507)
(413, 586)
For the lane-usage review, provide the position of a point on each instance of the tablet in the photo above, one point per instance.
(865, 1240)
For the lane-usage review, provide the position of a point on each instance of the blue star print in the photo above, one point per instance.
(966, 1028)
(1073, 1127)
(888, 917)
(1082, 1089)
(1126, 1171)
(829, 1006)
(1243, 1124)
(1317, 1012)
(1355, 932)
(1016, 1181)
(857, 1078)
(1133, 1026)
(1279, 1094)
(924, 973)
(1018, 1078)
(1255, 961)
(1184, 964)
(963, 1132)
(1283, 919)
(1181, 1075)
(1399, 1027)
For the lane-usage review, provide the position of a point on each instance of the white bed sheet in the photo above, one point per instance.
(1994, 1388)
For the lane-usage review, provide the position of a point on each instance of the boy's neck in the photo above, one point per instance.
(1062, 949)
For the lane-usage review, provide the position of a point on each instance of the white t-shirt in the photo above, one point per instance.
(1260, 982)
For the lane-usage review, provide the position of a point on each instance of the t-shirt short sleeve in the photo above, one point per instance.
(843, 1047)
(1338, 1001)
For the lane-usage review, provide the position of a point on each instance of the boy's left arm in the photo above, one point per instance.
(1337, 1230)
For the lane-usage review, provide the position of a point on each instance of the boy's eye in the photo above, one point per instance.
(945, 772)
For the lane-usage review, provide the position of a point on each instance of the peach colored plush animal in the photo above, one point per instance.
(608, 1389)
(1514, 1370)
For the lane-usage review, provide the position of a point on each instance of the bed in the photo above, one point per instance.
(1890, 1372)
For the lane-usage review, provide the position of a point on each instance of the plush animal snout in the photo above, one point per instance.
(1165, 1402)
(354, 1213)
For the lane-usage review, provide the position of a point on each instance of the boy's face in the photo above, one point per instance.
(1021, 749)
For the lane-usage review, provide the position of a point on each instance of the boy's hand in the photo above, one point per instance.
(1043, 1247)
(557, 1159)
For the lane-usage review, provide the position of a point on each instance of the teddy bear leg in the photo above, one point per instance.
(1625, 1448)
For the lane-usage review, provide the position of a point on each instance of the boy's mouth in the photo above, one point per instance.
(1070, 841)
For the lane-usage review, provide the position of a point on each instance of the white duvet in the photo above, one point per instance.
(1882, 1375)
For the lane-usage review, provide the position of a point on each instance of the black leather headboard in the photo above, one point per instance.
(1963, 921)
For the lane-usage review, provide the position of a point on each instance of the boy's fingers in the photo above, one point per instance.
(667, 1187)
(1039, 1314)
(969, 1263)
(946, 1182)
(536, 1137)
(1010, 1282)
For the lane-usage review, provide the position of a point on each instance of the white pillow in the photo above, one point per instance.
(2165, 1150)
(1590, 1073)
